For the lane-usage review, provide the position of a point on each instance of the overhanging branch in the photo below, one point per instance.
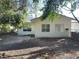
(72, 13)
(75, 17)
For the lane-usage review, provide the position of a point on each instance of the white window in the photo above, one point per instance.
(59, 27)
(45, 27)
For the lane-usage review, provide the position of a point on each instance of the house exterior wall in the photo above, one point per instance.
(21, 32)
(74, 26)
(66, 22)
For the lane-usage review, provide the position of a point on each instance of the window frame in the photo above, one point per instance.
(45, 27)
(29, 29)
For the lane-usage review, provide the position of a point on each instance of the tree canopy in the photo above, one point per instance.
(9, 15)
(51, 7)
(15, 16)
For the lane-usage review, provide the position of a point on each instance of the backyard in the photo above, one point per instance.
(46, 18)
(24, 47)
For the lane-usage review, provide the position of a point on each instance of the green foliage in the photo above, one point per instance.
(53, 16)
(13, 20)
(8, 16)
(26, 25)
(51, 7)
(5, 27)
(16, 17)
(5, 5)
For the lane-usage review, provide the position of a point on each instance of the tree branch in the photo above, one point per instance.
(72, 13)
(75, 17)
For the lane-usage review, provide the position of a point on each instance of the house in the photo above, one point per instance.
(74, 26)
(60, 27)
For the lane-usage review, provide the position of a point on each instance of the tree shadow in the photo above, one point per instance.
(21, 45)
(61, 46)
(54, 46)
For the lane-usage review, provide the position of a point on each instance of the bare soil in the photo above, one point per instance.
(24, 47)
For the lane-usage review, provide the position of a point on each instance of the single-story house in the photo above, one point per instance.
(59, 27)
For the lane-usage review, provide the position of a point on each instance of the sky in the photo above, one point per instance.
(67, 13)
(64, 12)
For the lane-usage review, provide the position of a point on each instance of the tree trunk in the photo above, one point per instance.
(75, 17)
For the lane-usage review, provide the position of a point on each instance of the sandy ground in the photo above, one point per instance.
(23, 47)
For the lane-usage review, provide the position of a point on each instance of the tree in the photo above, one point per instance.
(52, 7)
(15, 16)
(10, 16)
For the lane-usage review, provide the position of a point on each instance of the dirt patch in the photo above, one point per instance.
(53, 48)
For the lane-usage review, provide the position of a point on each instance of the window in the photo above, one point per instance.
(29, 29)
(45, 27)
(59, 27)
